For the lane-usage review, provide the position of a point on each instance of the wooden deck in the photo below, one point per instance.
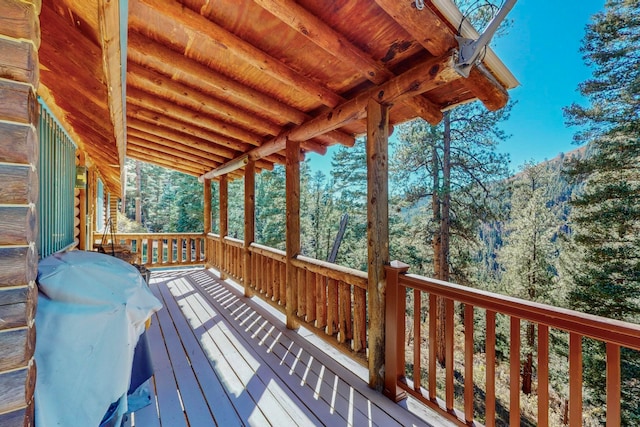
(222, 359)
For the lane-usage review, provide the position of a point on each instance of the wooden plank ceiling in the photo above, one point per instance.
(209, 81)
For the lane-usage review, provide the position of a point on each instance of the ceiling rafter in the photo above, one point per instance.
(338, 46)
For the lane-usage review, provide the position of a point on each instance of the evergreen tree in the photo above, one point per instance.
(349, 173)
(606, 215)
(271, 208)
(451, 166)
(528, 256)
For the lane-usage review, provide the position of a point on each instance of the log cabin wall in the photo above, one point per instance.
(19, 78)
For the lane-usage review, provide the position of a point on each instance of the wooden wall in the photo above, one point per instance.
(19, 77)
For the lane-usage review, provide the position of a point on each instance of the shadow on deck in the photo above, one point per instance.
(222, 359)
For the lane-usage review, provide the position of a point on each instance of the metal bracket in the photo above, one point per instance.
(469, 50)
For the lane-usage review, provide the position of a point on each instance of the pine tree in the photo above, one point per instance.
(451, 167)
(606, 215)
(349, 173)
(529, 254)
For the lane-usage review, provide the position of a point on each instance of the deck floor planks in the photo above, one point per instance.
(212, 390)
(241, 366)
(341, 398)
(263, 384)
(168, 401)
(193, 401)
(269, 374)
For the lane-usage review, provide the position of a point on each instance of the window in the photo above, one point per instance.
(101, 219)
(57, 179)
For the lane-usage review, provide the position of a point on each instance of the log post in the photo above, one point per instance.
(19, 78)
(292, 230)
(207, 206)
(249, 222)
(377, 233)
(224, 221)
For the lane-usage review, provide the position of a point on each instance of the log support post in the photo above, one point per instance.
(224, 222)
(19, 78)
(249, 222)
(377, 234)
(292, 230)
(207, 206)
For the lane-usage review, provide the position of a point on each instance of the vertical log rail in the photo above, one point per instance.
(417, 339)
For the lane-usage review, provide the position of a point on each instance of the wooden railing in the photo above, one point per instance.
(158, 249)
(330, 300)
(471, 302)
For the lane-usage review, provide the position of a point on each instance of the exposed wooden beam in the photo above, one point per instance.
(206, 36)
(152, 103)
(437, 37)
(421, 78)
(163, 60)
(109, 22)
(334, 43)
(146, 122)
(172, 91)
(174, 145)
(292, 230)
(187, 155)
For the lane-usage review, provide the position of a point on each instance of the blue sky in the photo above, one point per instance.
(542, 51)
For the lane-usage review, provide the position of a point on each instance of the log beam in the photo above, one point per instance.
(163, 60)
(207, 206)
(335, 44)
(437, 36)
(377, 234)
(223, 198)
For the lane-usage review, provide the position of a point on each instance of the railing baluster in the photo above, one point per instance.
(613, 385)
(283, 282)
(310, 284)
(417, 338)
(543, 375)
(321, 301)
(490, 348)
(514, 375)
(575, 380)
(433, 312)
(359, 320)
(468, 363)
(448, 345)
(332, 312)
(302, 293)
(160, 251)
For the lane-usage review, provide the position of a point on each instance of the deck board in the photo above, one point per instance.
(223, 359)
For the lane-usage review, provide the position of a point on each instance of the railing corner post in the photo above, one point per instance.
(394, 336)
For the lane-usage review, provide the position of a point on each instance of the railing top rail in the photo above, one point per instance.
(150, 235)
(278, 254)
(604, 329)
(335, 271)
(233, 241)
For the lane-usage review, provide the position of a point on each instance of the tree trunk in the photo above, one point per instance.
(527, 370)
(441, 202)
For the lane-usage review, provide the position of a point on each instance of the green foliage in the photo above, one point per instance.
(606, 215)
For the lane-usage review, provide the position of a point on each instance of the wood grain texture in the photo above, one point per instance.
(19, 20)
(12, 390)
(292, 229)
(18, 143)
(19, 62)
(17, 225)
(15, 350)
(17, 102)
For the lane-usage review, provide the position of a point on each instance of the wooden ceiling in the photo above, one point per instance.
(208, 81)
